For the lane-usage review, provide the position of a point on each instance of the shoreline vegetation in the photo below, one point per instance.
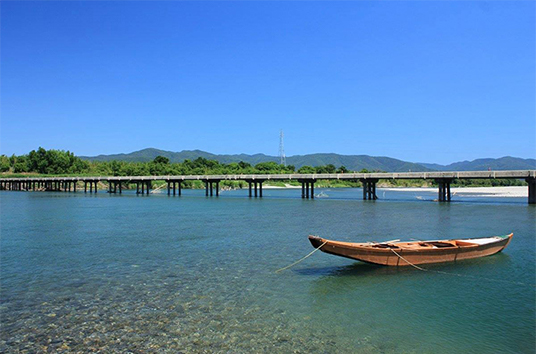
(59, 163)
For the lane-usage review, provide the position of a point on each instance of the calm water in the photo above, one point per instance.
(195, 274)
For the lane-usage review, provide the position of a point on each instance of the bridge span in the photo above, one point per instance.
(255, 181)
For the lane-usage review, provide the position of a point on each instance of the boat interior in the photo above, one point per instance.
(435, 244)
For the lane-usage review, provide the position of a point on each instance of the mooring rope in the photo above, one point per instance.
(460, 275)
(408, 262)
(299, 260)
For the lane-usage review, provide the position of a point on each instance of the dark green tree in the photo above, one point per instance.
(4, 163)
(161, 160)
(306, 169)
(342, 169)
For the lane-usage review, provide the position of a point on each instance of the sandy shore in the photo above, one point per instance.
(514, 191)
(264, 186)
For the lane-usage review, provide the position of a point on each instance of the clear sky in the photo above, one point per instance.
(423, 81)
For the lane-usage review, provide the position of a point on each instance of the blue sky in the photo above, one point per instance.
(423, 81)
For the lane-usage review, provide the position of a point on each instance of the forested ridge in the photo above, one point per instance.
(55, 162)
(64, 163)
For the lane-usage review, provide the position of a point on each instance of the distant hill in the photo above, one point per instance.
(503, 163)
(352, 162)
(356, 162)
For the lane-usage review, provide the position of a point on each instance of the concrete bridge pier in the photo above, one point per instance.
(145, 185)
(444, 189)
(306, 185)
(91, 185)
(369, 188)
(532, 189)
(210, 186)
(173, 185)
(148, 185)
(257, 187)
(112, 186)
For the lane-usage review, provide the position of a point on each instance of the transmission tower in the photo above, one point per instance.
(282, 149)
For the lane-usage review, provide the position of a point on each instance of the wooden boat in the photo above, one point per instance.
(395, 253)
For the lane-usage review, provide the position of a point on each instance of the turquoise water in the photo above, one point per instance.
(83, 272)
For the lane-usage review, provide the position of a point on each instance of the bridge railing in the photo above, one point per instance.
(296, 176)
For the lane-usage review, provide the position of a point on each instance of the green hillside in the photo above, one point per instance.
(352, 162)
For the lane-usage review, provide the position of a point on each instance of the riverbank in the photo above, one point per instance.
(510, 191)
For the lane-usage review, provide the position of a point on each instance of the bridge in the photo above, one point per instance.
(255, 181)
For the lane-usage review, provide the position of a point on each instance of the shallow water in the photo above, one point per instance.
(82, 272)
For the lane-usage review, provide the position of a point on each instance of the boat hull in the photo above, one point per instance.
(402, 254)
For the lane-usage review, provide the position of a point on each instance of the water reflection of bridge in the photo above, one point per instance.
(212, 182)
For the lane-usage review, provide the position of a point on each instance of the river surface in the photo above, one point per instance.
(126, 273)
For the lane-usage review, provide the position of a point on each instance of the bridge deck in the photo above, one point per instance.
(368, 181)
(282, 177)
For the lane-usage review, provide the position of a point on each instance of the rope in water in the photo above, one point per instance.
(459, 275)
(299, 260)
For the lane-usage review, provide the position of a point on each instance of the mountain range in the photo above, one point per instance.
(352, 162)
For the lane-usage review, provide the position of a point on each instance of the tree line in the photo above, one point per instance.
(59, 162)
